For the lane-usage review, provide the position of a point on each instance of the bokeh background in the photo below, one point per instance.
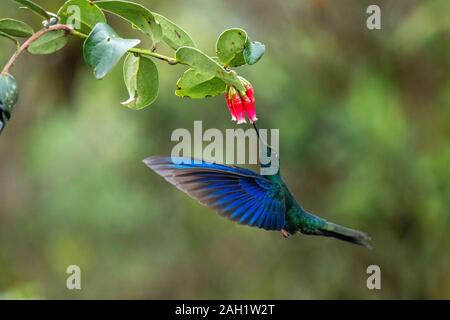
(364, 119)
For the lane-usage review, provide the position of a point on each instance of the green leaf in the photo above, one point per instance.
(35, 8)
(136, 14)
(142, 81)
(49, 43)
(253, 52)
(82, 14)
(197, 85)
(104, 48)
(230, 47)
(200, 61)
(16, 28)
(173, 35)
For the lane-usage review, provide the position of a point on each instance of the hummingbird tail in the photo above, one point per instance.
(346, 234)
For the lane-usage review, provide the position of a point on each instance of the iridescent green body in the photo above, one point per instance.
(299, 220)
(254, 199)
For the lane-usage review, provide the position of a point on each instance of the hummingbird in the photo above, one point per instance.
(249, 198)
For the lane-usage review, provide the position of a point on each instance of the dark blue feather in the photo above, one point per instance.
(236, 193)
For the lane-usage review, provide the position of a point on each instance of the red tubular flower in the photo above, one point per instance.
(230, 107)
(240, 103)
(250, 92)
(237, 105)
(249, 103)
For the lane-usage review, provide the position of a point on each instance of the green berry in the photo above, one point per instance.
(9, 94)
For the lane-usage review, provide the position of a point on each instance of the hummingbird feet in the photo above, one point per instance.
(285, 233)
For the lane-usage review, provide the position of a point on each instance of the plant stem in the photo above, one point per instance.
(70, 30)
(30, 40)
(169, 60)
(79, 34)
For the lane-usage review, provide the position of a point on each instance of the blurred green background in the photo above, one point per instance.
(364, 119)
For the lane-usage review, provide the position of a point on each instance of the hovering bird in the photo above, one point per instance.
(247, 197)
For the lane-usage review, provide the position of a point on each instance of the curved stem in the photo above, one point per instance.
(70, 30)
(30, 40)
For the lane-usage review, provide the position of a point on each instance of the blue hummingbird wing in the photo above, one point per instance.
(236, 193)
